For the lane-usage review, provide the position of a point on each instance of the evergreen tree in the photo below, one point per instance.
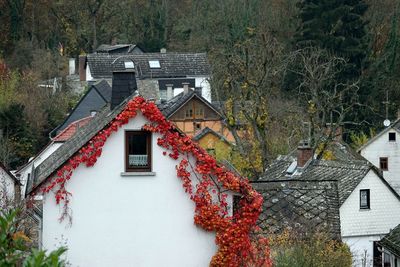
(337, 26)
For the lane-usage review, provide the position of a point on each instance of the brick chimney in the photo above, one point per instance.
(304, 153)
(82, 68)
(170, 91)
(123, 84)
(185, 88)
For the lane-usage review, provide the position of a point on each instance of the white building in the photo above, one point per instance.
(368, 206)
(383, 150)
(129, 209)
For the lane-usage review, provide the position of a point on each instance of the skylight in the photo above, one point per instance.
(129, 65)
(292, 168)
(154, 64)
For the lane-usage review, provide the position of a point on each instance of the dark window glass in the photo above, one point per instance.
(392, 137)
(384, 163)
(377, 254)
(386, 260)
(364, 199)
(138, 151)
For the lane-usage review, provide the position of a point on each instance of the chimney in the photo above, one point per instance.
(71, 65)
(163, 50)
(82, 68)
(304, 153)
(170, 91)
(123, 84)
(185, 88)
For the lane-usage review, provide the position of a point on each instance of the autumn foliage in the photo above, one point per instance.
(238, 243)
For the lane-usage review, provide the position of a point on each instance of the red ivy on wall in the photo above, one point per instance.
(238, 243)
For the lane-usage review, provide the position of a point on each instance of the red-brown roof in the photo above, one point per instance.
(71, 129)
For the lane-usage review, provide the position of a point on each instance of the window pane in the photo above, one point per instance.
(137, 145)
(392, 136)
(364, 201)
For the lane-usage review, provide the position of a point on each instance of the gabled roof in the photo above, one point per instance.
(68, 132)
(391, 241)
(348, 174)
(121, 48)
(170, 107)
(207, 130)
(394, 126)
(171, 64)
(303, 206)
(102, 88)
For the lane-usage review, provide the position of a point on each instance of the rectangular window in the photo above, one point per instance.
(384, 163)
(364, 199)
(154, 64)
(392, 137)
(137, 151)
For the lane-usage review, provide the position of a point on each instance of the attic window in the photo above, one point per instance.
(154, 64)
(137, 151)
(129, 65)
(364, 199)
(392, 137)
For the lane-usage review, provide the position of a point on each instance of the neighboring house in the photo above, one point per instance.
(120, 49)
(192, 113)
(98, 95)
(215, 143)
(152, 70)
(130, 207)
(24, 172)
(369, 206)
(390, 247)
(10, 187)
(383, 150)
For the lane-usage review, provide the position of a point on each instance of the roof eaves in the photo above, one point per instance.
(380, 134)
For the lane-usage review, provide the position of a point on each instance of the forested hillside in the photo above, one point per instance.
(275, 63)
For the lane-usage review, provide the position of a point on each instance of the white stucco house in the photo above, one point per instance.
(383, 151)
(10, 187)
(130, 208)
(367, 206)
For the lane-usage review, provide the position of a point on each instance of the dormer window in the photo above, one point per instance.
(154, 64)
(137, 151)
(364, 199)
(392, 137)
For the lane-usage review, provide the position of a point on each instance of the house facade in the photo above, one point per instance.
(390, 248)
(383, 151)
(146, 215)
(368, 206)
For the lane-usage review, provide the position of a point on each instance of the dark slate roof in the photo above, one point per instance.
(348, 174)
(174, 104)
(171, 64)
(301, 206)
(104, 89)
(391, 241)
(69, 148)
(207, 130)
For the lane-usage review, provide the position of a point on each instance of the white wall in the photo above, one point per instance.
(381, 147)
(27, 169)
(7, 190)
(128, 221)
(89, 76)
(358, 225)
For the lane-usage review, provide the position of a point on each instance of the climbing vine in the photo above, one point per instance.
(205, 181)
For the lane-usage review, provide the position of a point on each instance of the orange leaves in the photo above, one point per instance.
(235, 246)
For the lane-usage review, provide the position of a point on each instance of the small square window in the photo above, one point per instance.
(154, 64)
(198, 126)
(392, 137)
(384, 163)
(137, 151)
(211, 151)
(364, 199)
